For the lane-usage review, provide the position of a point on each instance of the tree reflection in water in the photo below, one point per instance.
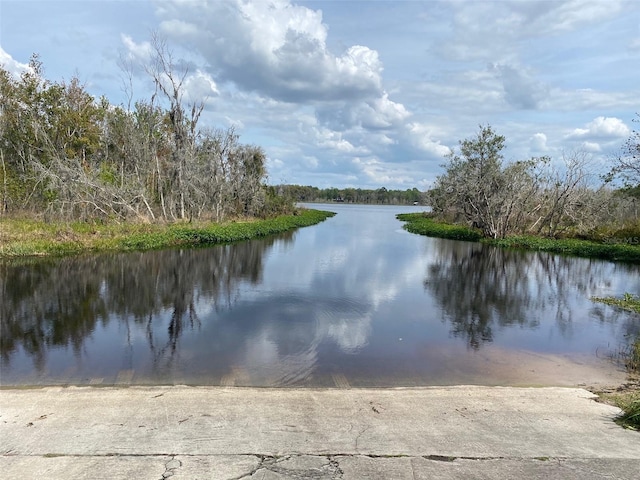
(479, 287)
(59, 303)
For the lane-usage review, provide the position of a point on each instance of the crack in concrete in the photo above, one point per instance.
(170, 467)
(326, 466)
(329, 470)
(336, 464)
(267, 457)
(253, 470)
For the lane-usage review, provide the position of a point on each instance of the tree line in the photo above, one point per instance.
(381, 196)
(536, 196)
(71, 156)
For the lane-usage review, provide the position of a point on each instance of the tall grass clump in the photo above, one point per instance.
(630, 404)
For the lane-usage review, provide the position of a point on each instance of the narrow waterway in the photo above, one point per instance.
(354, 301)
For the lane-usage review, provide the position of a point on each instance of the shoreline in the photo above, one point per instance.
(623, 252)
(26, 238)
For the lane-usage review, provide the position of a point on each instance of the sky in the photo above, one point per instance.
(360, 94)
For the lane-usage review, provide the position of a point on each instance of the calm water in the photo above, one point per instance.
(353, 301)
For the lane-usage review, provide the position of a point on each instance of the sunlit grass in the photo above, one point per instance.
(424, 224)
(26, 237)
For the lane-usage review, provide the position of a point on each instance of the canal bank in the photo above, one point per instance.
(232, 433)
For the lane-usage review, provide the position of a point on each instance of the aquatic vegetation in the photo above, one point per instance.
(627, 302)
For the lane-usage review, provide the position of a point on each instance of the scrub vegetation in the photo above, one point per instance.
(558, 199)
(536, 204)
(65, 155)
(79, 174)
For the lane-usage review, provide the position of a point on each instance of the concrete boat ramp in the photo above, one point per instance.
(226, 433)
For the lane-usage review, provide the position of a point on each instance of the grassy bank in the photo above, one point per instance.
(629, 399)
(424, 225)
(23, 238)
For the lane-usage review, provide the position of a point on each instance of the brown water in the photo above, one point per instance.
(354, 301)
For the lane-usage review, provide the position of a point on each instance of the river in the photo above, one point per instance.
(354, 301)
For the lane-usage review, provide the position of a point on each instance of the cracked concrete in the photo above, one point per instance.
(171, 467)
(238, 434)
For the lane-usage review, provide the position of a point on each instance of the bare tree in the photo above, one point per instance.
(564, 194)
(627, 164)
(169, 81)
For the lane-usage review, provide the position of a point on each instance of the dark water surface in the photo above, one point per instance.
(353, 301)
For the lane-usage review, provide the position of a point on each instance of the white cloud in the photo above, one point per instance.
(602, 127)
(569, 15)
(200, 85)
(538, 142)
(562, 100)
(276, 48)
(386, 113)
(422, 137)
(12, 66)
(140, 53)
(495, 30)
(592, 147)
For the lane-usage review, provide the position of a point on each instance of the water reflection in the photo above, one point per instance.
(59, 303)
(480, 288)
(355, 299)
(284, 336)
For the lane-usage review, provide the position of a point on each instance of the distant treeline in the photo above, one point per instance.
(381, 196)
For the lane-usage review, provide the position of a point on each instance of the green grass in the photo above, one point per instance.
(423, 224)
(630, 407)
(579, 248)
(629, 403)
(21, 238)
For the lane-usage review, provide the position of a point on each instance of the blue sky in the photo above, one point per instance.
(362, 93)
